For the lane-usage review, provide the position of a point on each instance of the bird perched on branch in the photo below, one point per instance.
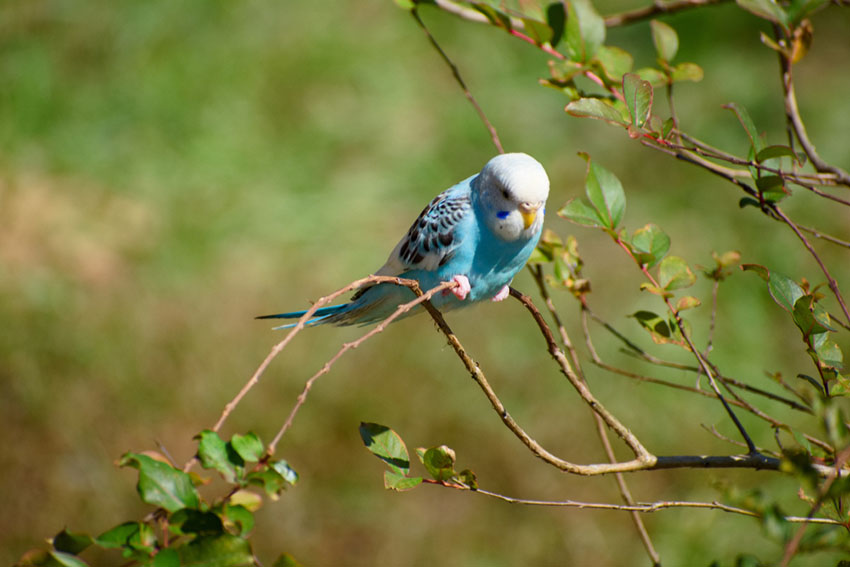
(478, 233)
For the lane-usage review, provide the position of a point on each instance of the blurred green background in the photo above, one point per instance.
(169, 169)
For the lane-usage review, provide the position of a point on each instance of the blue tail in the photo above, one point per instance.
(319, 316)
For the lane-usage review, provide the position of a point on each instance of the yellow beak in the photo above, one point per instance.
(528, 211)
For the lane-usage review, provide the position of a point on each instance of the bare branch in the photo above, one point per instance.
(655, 9)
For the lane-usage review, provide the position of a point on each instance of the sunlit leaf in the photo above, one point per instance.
(784, 291)
(387, 445)
(213, 454)
(397, 481)
(605, 193)
(439, 462)
(767, 9)
(585, 30)
(687, 302)
(650, 244)
(579, 212)
(224, 550)
(638, 95)
(161, 484)
(614, 61)
(687, 72)
(674, 273)
(249, 446)
(665, 39)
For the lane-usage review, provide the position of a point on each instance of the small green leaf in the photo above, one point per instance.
(224, 550)
(579, 212)
(654, 77)
(585, 30)
(270, 480)
(439, 461)
(615, 62)
(773, 152)
(286, 560)
(387, 445)
(784, 291)
(160, 484)
(556, 17)
(766, 9)
(396, 481)
(808, 319)
(596, 108)
(468, 478)
(646, 286)
(496, 17)
(638, 95)
(653, 323)
(247, 499)
(756, 142)
(287, 472)
(687, 72)
(42, 558)
(758, 269)
(650, 244)
(237, 519)
(120, 536)
(770, 183)
(72, 543)
(538, 31)
(248, 446)
(213, 454)
(605, 193)
(189, 521)
(167, 557)
(674, 273)
(687, 302)
(665, 40)
(828, 352)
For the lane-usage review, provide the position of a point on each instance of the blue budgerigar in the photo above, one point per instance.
(478, 233)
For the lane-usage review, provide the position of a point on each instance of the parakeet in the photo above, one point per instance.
(478, 233)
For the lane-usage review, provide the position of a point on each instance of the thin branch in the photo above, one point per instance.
(655, 9)
(792, 114)
(401, 310)
(494, 136)
(647, 508)
(625, 493)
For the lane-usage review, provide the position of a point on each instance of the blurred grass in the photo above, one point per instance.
(170, 169)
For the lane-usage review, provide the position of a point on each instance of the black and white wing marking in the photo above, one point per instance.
(432, 239)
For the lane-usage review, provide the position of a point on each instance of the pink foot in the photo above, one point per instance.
(503, 293)
(463, 287)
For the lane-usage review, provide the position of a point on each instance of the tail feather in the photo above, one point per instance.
(318, 317)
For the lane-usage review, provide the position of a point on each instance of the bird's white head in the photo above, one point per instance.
(511, 191)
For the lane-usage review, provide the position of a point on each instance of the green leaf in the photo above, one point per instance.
(674, 273)
(605, 193)
(222, 550)
(650, 244)
(42, 558)
(653, 323)
(828, 352)
(808, 318)
(287, 472)
(556, 17)
(468, 478)
(756, 142)
(539, 31)
(189, 521)
(396, 481)
(687, 302)
(654, 77)
(247, 499)
(387, 445)
(772, 152)
(638, 95)
(406, 4)
(579, 212)
(766, 9)
(615, 62)
(72, 543)
(213, 454)
(120, 536)
(286, 560)
(665, 40)
(270, 480)
(167, 557)
(784, 291)
(237, 519)
(585, 30)
(160, 484)
(687, 72)
(496, 17)
(439, 461)
(596, 108)
(248, 446)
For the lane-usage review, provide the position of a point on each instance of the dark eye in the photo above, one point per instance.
(505, 194)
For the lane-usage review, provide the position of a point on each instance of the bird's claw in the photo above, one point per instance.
(461, 290)
(503, 293)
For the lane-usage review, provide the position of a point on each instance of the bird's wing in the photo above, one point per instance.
(433, 238)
